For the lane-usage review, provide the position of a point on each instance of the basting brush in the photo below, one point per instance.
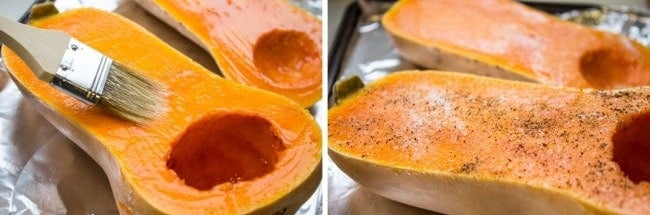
(83, 72)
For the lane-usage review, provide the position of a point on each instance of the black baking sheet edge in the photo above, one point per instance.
(339, 47)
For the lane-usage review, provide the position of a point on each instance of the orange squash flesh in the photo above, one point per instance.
(218, 148)
(508, 36)
(465, 144)
(272, 45)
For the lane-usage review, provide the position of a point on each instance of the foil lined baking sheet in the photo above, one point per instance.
(43, 172)
(370, 55)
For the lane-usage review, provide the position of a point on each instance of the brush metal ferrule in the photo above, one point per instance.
(82, 72)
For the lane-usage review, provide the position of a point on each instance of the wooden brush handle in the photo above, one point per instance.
(41, 49)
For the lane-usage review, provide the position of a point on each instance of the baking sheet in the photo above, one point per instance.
(43, 172)
(363, 48)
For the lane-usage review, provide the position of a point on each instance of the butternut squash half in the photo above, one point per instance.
(269, 44)
(465, 144)
(503, 38)
(218, 147)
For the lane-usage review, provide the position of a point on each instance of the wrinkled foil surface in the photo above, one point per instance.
(631, 22)
(371, 55)
(43, 172)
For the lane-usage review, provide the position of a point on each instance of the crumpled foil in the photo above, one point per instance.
(371, 55)
(43, 172)
(628, 21)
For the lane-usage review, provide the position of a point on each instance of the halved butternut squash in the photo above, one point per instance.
(506, 39)
(465, 144)
(270, 44)
(218, 147)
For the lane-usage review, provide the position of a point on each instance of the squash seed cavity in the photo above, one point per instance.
(604, 68)
(224, 148)
(632, 148)
(287, 59)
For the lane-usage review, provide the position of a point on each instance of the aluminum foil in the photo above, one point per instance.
(633, 22)
(371, 55)
(43, 172)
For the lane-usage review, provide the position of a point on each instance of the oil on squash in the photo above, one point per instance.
(465, 144)
(270, 44)
(506, 39)
(209, 152)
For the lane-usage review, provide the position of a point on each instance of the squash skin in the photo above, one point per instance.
(454, 194)
(139, 179)
(433, 57)
(209, 24)
(464, 144)
(532, 45)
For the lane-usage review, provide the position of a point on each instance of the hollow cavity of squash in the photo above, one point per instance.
(632, 148)
(220, 148)
(287, 58)
(605, 67)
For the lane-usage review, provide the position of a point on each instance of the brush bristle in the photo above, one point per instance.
(130, 95)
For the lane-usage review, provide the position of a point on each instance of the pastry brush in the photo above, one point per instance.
(83, 72)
